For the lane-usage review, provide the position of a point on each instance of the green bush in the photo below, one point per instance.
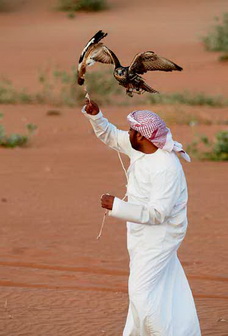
(15, 140)
(3, 6)
(217, 38)
(12, 140)
(223, 58)
(220, 148)
(215, 151)
(9, 95)
(60, 88)
(82, 5)
(186, 98)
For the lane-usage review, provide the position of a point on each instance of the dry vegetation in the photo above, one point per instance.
(217, 38)
(59, 88)
(204, 149)
(3, 6)
(82, 5)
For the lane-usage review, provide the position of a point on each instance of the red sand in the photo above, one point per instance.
(56, 278)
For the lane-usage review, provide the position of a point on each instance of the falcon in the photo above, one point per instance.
(129, 77)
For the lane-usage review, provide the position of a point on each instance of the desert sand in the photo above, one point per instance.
(56, 278)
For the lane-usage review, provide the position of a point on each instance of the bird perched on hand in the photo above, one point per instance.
(129, 77)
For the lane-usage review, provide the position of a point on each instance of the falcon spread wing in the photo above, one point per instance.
(95, 52)
(149, 61)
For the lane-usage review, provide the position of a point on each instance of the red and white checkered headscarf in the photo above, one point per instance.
(153, 128)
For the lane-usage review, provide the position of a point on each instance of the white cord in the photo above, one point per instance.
(102, 224)
(106, 211)
(125, 172)
(121, 161)
(87, 94)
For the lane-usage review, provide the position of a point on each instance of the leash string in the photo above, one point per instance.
(87, 94)
(125, 172)
(106, 211)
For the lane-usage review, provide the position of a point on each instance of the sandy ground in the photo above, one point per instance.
(56, 278)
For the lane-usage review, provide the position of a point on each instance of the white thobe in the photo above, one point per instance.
(160, 299)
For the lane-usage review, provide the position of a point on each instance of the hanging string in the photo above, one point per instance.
(121, 162)
(106, 211)
(125, 172)
(102, 224)
(87, 94)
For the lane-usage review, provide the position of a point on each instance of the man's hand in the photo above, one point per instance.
(91, 107)
(107, 201)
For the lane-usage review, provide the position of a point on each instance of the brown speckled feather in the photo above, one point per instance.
(100, 53)
(149, 61)
(97, 53)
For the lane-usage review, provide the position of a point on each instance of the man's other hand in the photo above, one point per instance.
(91, 107)
(107, 201)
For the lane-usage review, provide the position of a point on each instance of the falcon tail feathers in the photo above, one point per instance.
(147, 88)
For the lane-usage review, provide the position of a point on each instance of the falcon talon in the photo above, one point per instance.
(129, 76)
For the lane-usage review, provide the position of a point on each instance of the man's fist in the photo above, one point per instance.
(91, 107)
(107, 201)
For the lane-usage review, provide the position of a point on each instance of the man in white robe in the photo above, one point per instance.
(160, 299)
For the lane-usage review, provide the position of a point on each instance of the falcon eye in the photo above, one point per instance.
(119, 72)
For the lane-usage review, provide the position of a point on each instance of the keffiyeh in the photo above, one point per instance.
(153, 128)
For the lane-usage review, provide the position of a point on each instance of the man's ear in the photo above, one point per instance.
(140, 137)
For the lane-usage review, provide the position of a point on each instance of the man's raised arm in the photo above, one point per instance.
(105, 131)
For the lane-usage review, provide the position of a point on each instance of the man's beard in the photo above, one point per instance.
(135, 144)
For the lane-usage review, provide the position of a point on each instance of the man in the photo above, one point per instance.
(160, 299)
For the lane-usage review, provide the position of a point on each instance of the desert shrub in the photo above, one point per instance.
(202, 148)
(217, 38)
(53, 113)
(82, 5)
(71, 15)
(31, 128)
(15, 140)
(179, 116)
(220, 148)
(223, 58)
(3, 6)
(60, 88)
(10, 95)
(198, 99)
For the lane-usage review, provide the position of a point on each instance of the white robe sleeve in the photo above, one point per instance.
(108, 133)
(165, 191)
